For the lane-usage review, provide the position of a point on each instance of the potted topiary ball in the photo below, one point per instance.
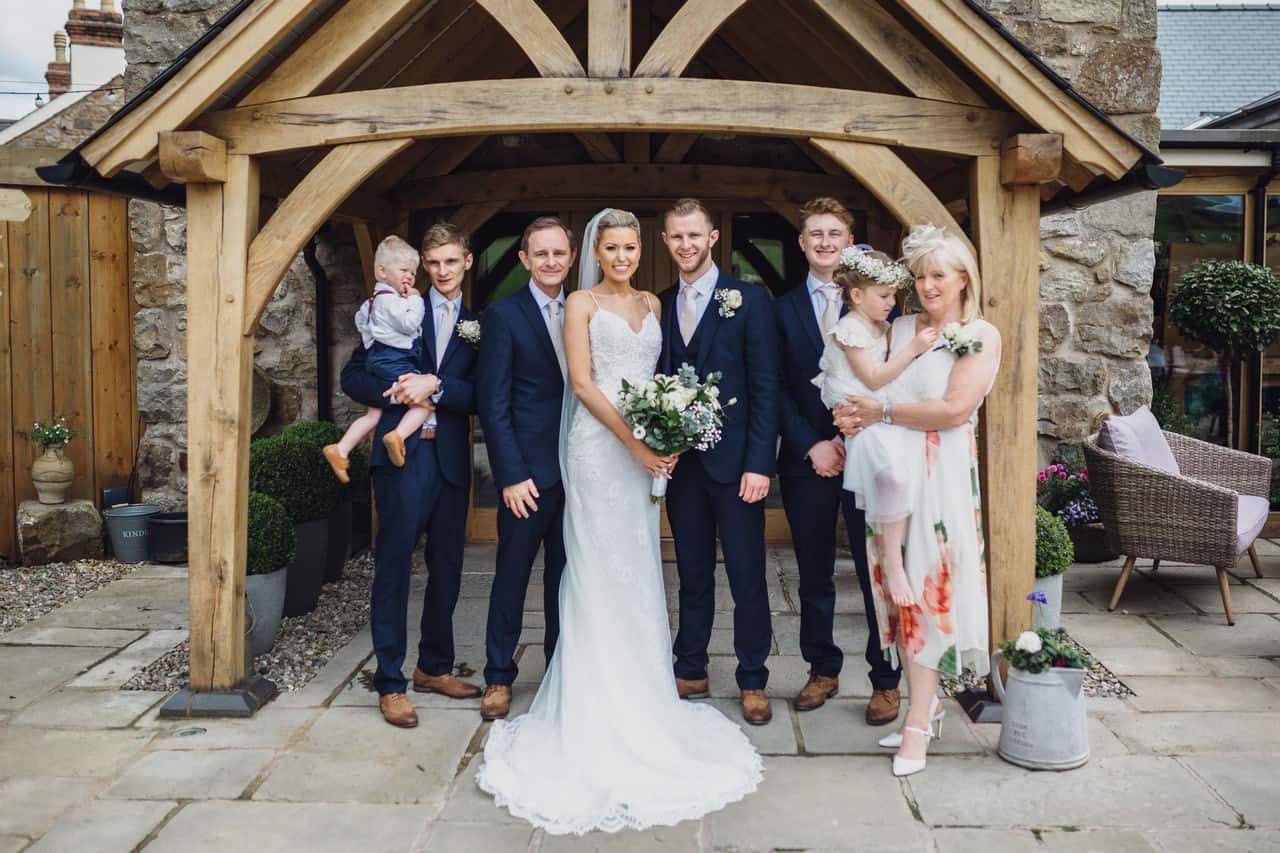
(315, 435)
(284, 467)
(1053, 555)
(269, 553)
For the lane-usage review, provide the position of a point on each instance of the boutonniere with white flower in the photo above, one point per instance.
(469, 331)
(958, 341)
(730, 300)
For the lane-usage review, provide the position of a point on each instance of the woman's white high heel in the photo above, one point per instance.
(908, 766)
(893, 740)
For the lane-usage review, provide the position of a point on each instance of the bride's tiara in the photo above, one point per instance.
(892, 274)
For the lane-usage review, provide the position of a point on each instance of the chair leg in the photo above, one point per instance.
(1123, 579)
(1155, 565)
(1253, 558)
(1224, 584)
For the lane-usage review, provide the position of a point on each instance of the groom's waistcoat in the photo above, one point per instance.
(740, 344)
(519, 392)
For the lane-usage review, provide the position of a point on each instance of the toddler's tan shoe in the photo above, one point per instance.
(395, 448)
(337, 462)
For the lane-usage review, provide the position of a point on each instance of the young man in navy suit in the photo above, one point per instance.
(520, 390)
(810, 464)
(717, 323)
(431, 492)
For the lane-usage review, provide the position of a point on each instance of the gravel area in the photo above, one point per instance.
(27, 592)
(304, 645)
(1098, 680)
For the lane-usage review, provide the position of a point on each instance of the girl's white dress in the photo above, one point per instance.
(882, 464)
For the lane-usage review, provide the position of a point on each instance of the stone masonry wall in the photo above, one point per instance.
(76, 123)
(1096, 263)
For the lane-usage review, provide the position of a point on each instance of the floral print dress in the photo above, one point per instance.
(944, 553)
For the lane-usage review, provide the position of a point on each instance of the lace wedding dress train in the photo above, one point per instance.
(607, 744)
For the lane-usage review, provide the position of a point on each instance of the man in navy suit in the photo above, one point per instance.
(520, 390)
(717, 323)
(431, 492)
(810, 464)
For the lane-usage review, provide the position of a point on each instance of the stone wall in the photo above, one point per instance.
(76, 123)
(1096, 264)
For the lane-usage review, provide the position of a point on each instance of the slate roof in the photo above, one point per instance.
(1217, 57)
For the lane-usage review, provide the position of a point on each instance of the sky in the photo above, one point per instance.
(26, 49)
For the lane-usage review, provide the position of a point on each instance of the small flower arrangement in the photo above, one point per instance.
(1041, 649)
(959, 342)
(672, 414)
(469, 331)
(52, 434)
(1063, 489)
(730, 300)
(893, 274)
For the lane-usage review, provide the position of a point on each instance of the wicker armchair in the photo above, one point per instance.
(1189, 517)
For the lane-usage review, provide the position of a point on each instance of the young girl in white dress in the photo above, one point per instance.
(881, 463)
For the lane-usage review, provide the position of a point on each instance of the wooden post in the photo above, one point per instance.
(1006, 228)
(609, 38)
(221, 221)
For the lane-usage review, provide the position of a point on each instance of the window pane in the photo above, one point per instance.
(1270, 373)
(1187, 377)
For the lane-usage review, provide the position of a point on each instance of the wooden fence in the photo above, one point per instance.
(66, 339)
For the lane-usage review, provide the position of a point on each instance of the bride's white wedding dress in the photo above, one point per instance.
(607, 744)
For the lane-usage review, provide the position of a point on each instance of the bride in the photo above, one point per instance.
(607, 744)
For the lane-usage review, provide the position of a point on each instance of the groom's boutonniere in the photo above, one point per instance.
(958, 341)
(469, 331)
(730, 301)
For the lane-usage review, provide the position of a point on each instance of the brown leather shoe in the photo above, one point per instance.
(693, 688)
(755, 707)
(496, 703)
(447, 684)
(883, 707)
(395, 448)
(816, 693)
(398, 710)
(337, 462)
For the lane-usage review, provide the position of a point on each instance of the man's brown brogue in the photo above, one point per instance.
(447, 684)
(755, 707)
(693, 688)
(496, 703)
(816, 693)
(398, 710)
(883, 707)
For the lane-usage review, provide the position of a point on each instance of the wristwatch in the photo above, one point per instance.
(888, 412)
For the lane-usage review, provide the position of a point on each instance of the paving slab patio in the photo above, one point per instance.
(1184, 764)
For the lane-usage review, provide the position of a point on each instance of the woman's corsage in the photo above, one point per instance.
(958, 341)
(469, 331)
(730, 301)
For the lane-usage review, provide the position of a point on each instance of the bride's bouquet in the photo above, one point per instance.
(672, 414)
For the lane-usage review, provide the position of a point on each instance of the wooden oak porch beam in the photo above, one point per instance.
(1030, 158)
(536, 35)
(191, 156)
(608, 38)
(689, 29)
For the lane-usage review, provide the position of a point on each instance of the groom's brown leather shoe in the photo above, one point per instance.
(395, 448)
(883, 707)
(693, 688)
(755, 707)
(496, 703)
(398, 710)
(816, 693)
(447, 684)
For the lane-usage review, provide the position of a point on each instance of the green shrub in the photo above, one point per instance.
(319, 433)
(1170, 415)
(271, 539)
(293, 471)
(1054, 551)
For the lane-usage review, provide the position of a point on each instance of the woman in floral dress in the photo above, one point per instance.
(945, 627)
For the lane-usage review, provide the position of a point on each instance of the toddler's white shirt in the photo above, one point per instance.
(393, 320)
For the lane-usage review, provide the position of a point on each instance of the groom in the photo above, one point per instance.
(810, 464)
(431, 492)
(520, 389)
(716, 323)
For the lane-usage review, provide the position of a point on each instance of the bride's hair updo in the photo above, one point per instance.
(614, 218)
(929, 242)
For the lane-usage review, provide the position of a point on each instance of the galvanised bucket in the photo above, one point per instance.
(1044, 726)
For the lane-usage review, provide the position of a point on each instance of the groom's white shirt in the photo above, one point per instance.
(543, 301)
(703, 286)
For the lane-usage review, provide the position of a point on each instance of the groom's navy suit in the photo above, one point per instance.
(431, 492)
(702, 497)
(811, 502)
(520, 390)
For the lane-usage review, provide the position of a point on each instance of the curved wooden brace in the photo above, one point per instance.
(684, 35)
(299, 216)
(891, 180)
(628, 105)
(537, 36)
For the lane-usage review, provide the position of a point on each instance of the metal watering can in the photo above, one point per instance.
(1044, 725)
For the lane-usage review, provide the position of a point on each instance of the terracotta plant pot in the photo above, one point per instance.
(51, 474)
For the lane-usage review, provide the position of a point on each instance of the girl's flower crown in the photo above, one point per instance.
(893, 274)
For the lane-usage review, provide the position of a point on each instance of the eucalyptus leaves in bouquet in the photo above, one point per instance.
(672, 414)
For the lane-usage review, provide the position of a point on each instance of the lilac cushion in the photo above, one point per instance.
(1251, 517)
(1138, 437)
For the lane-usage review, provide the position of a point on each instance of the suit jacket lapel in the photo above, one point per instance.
(530, 308)
(804, 311)
(668, 327)
(429, 338)
(454, 340)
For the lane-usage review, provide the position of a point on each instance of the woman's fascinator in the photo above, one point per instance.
(922, 241)
(858, 260)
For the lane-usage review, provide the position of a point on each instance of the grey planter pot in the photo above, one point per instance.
(306, 575)
(265, 594)
(1044, 725)
(1049, 615)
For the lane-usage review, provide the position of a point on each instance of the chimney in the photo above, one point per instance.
(102, 27)
(58, 74)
